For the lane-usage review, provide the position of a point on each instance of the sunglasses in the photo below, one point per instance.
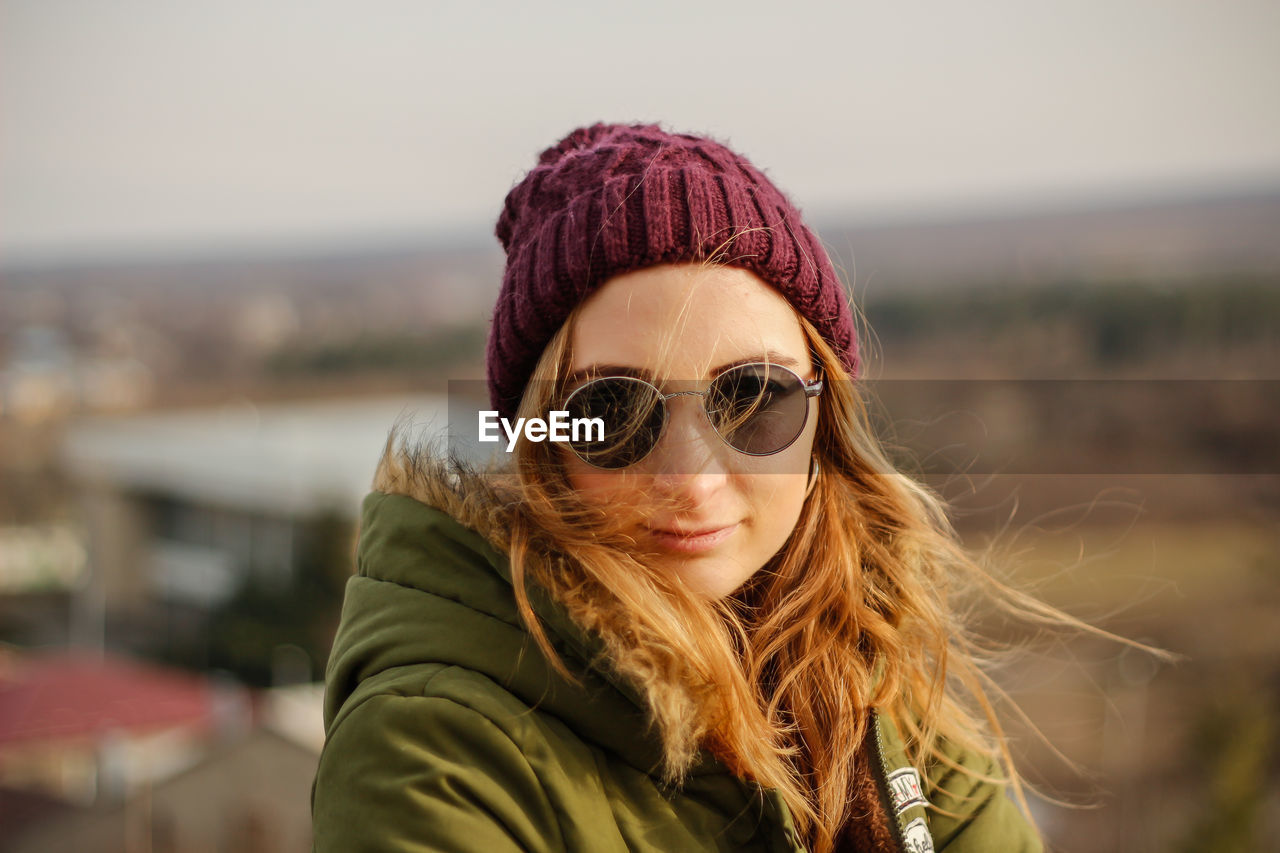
(758, 409)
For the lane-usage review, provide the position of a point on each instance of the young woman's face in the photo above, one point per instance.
(711, 515)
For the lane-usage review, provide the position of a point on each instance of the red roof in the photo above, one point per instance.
(73, 694)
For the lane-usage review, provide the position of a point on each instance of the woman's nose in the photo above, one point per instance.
(688, 462)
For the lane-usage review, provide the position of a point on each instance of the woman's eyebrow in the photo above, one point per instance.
(768, 356)
(595, 371)
(598, 370)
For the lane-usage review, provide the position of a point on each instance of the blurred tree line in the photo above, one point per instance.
(1070, 324)
(392, 351)
(1111, 323)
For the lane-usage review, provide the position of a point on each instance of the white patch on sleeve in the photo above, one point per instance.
(905, 790)
(917, 837)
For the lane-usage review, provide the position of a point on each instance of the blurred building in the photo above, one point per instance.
(86, 728)
(108, 754)
(250, 796)
(181, 508)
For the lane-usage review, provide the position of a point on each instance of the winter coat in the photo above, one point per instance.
(448, 730)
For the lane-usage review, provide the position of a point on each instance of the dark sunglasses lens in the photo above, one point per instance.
(632, 414)
(758, 409)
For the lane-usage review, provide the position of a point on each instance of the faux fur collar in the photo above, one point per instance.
(476, 500)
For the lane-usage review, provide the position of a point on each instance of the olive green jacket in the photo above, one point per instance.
(448, 730)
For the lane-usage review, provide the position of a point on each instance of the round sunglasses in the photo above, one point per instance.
(758, 409)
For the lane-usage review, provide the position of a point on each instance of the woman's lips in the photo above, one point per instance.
(693, 542)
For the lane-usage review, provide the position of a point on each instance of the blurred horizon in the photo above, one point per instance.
(146, 127)
(479, 237)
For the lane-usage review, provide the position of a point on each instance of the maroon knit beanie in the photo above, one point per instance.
(609, 199)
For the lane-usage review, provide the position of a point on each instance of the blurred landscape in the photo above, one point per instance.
(184, 442)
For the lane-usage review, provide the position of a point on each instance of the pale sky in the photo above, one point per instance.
(176, 125)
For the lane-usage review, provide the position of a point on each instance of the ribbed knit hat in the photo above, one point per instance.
(609, 199)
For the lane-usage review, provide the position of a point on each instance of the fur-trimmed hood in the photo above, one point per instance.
(447, 727)
(432, 532)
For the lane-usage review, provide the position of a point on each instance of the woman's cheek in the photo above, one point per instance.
(601, 487)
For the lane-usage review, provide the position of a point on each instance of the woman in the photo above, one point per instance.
(718, 621)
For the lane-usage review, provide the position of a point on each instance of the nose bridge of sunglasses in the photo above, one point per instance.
(688, 422)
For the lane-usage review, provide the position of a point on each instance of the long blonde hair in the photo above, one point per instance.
(857, 611)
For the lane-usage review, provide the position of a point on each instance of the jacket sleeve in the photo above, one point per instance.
(983, 817)
(416, 773)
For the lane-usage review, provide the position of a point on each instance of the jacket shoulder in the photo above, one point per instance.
(444, 758)
(442, 685)
(971, 809)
